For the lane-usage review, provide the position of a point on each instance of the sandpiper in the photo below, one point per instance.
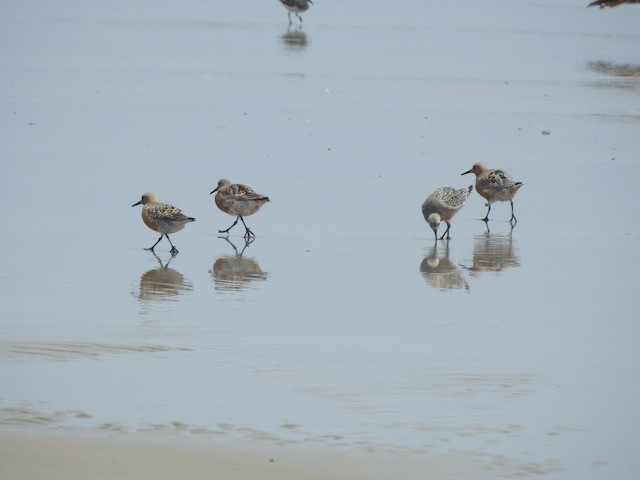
(239, 201)
(296, 6)
(442, 205)
(611, 3)
(496, 186)
(162, 218)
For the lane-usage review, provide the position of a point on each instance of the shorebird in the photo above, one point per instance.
(496, 186)
(162, 218)
(239, 201)
(296, 6)
(610, 3)
(442, 205)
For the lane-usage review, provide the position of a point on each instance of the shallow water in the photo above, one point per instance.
(341, 323)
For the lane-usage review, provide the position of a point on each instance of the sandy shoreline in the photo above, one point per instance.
(87, 454)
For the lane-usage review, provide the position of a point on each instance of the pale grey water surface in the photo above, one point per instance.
(341, 324)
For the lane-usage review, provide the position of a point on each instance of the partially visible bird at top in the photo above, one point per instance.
(239, 201)
(296, 6)
(442, 205)
(162, 218)
(495, 185)
(610, 3)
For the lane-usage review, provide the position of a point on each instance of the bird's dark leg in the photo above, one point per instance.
(289, 14)
(154, 245)
(174, 250)
(446, 232)
(298, 15)
(513, 217)
(233, 225)
(248, 233)
(486, 217)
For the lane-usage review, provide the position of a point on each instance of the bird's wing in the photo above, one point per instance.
(169, 212)
(242, 192)
(455, 198)
(501, 179)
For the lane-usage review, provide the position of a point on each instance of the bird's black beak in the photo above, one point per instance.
(213, 191)
(137, 203)
(468, 171)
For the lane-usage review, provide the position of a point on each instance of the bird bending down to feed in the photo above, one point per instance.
(442, 205)
(239, 201)
(610, 3)
(162, 218)
(296, 6)
(495, 186)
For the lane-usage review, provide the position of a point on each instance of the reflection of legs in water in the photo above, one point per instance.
(160, 261)
(247, 242)
(511, 225)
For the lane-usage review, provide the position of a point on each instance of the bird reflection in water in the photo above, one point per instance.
(235, 272)
(624, 76)
(162, 283)
(294, 39)
(620, 70)
(493, 252)
(440, 272)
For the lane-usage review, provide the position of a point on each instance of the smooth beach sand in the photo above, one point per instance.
(69, 455)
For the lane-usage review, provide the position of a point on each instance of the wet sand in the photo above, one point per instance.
(80, 455)
(137, 456)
